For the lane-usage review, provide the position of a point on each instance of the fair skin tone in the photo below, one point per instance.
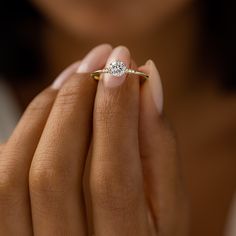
(202, 115)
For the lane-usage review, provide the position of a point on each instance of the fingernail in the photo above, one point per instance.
(95, 59)
(59, 81)
(154, 83)
(122, 54)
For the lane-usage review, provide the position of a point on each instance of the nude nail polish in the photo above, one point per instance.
(59, 81)
(120, 57)
(94, 60)
(155, 84)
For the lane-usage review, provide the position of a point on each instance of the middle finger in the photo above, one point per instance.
(116, 185)
(57, 167)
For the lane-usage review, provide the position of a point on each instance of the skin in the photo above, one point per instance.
(60, 177)
(87, 18)
(202, 115)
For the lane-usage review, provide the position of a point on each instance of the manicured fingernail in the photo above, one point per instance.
(59, 81)
(154, 82)
(95, 59)
(120, 54)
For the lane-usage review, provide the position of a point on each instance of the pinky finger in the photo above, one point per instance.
(160, 160)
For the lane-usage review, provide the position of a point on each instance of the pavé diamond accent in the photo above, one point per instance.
(117, 68)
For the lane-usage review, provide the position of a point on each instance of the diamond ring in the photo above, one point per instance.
(117, 69)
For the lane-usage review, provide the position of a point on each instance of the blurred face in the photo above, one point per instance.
(109, 19)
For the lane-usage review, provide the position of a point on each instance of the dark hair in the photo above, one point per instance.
(20, 45)
(219, 35)
(19, 41)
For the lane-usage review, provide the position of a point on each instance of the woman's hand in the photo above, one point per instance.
(93, 158)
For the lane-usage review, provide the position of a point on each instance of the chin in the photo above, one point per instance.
(93, 25)
(110, 35)
(106, 32)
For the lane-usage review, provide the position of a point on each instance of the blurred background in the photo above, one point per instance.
(193, 45)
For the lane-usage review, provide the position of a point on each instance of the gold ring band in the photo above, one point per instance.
(117, 69)
(96, 74)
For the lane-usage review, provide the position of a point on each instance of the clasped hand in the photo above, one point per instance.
(93, 158)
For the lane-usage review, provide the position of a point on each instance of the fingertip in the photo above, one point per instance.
(95, 59)
(102, 47)
(120, 54)
(133, 65)
(60, 80)
(153, 84)
(124, 49)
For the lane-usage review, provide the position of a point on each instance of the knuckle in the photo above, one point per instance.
(107, 106)
(115, 191)
(47, 189)
(70, 93)
(46, 179)
(40, 103)
(67, 97)
(9, 185)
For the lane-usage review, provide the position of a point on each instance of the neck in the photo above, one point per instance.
(174, 48)
(61, 49)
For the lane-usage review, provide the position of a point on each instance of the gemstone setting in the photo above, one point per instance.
(117, 68)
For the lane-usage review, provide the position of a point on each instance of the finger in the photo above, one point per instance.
(57, 167)
(87, 194)
(160, 159)
(15, 162)
(116, 177)
(1, 147)
(14, 165)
